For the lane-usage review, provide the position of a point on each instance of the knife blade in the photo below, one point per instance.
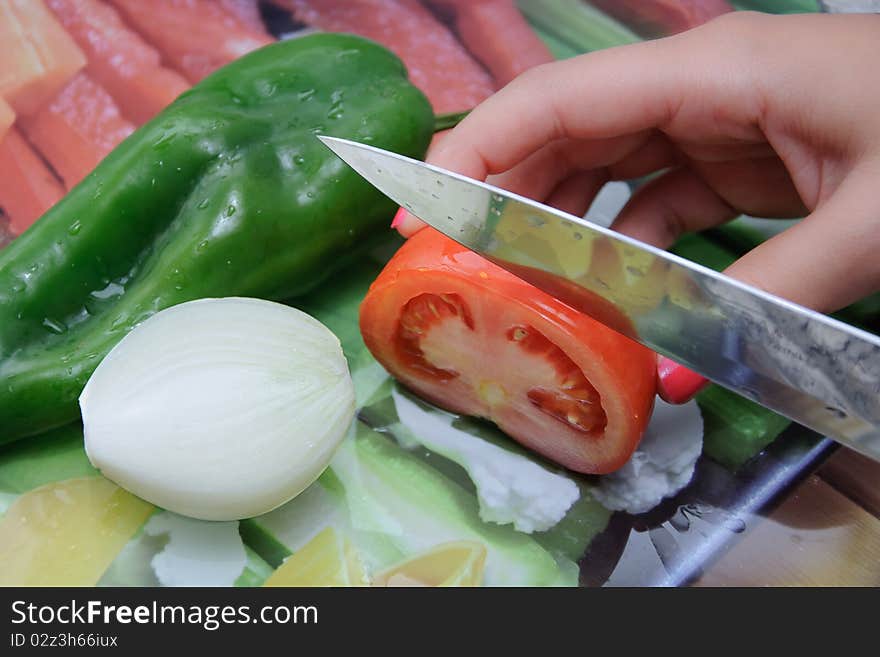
(811, 368)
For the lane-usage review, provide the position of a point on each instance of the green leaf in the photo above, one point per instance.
(54, 456)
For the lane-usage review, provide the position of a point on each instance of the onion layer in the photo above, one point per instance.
(219, 409)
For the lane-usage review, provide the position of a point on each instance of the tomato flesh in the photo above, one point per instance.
(433, 335)
(572, 399)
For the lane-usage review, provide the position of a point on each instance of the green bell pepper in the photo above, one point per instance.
(227, 192)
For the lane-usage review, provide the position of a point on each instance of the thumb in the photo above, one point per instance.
(829, 259)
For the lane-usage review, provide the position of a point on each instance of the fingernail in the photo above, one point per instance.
(399, 218)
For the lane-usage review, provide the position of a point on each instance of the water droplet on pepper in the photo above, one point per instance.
(54, 326)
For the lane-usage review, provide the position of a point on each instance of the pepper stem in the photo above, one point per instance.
(446, 121)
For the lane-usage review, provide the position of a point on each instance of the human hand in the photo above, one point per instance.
(773, 116)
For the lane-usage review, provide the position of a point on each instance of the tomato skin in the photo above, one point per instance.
(621, 371)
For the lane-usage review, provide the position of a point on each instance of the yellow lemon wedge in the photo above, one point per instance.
(327, 560)
(451, 564)
(67, 533)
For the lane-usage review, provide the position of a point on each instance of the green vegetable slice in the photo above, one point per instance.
(578, 24)
(736, 429)
(429, 508)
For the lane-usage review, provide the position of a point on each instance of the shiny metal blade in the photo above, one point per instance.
(800, 363)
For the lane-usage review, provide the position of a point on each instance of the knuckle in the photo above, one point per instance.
(743, 23)
(735, 44)
(533, 76)
(736, 33)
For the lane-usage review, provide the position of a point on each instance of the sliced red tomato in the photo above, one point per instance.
(477, 340)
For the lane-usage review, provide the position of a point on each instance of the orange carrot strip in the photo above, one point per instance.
(119, 59)
(27, 187)
(194, 36)
(495, 32)
(37, 57)
(437, 62)
(77, 129)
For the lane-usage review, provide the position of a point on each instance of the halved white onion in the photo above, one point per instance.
(219, 409)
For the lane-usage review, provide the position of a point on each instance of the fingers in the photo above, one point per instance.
(702, 74)
(406, 224)
(677, 202)
(759, 186)
(575, 194)
(628, 156)
(829, 259)
(603, 101)
(701, 195)
(539, 174)
(547, 103)
(572, 193)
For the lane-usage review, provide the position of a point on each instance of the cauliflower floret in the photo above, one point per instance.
(662, 465)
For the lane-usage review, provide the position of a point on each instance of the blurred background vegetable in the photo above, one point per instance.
(779, 6)
(652, 18)
(496, 34)
(577, 24)
(194, 36)
(39, 56)
(119, 59)
(437, 63)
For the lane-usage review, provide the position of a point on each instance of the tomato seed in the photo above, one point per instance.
(572, 399)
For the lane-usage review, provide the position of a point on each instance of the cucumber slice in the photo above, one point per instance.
(736, 429)
(779, 6)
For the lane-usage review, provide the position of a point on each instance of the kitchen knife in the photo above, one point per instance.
(813, 369)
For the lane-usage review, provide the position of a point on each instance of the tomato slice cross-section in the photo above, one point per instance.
(475, 339)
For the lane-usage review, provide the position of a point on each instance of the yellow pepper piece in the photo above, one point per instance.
(326, 560)
(67, 533)
(451, 564)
